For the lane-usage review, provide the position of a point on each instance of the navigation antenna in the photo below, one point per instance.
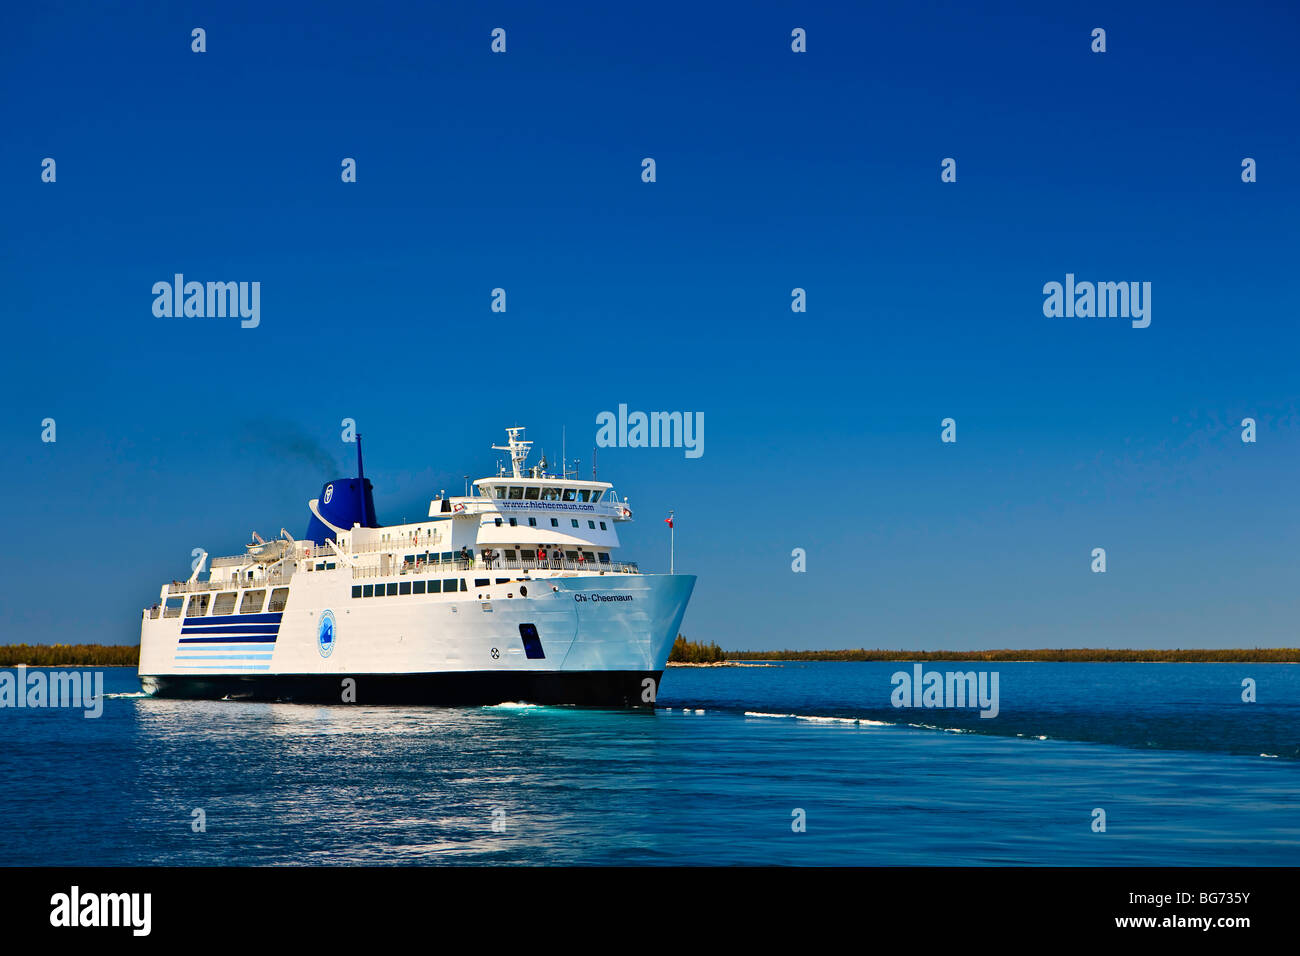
(518, 449)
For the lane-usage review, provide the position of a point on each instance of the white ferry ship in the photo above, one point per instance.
(511, 593)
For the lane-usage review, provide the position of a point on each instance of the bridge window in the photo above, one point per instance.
(530, 493)
(584, 495)
(500, 490)
(198, 605)
(253, 601)
(173, 607)
(279, 598)
(417, 587)
(570, 494)
(224, 604)
(550, 494)
(392, 589)
(435, 587)
(403, 587)
(516, 492)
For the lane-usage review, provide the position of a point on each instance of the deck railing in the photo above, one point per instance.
(418, 569)
(191, 587)
(432, 569)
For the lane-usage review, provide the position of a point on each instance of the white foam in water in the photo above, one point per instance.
(513, 705)
(1273, 756)
(862, 721)
(699, 711)
(138, 693)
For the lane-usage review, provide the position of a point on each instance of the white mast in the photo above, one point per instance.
(672, 543)
(518, 449)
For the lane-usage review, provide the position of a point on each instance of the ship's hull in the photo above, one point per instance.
(592, 640)
(464, 688)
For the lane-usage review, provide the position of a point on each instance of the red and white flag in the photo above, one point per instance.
(669, 522)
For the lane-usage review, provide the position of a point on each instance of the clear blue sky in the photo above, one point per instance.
(775, 170)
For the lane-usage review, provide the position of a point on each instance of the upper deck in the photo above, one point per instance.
(533, 490)
(537, 525)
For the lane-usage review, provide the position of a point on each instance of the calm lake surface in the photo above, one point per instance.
(1186, 772)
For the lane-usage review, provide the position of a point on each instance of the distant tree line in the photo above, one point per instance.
(70, 655)
(1232, 655)
(693, 652)
(689, 652)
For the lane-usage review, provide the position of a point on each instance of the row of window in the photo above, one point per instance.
(431, 586)
(225, 603)
(528, 555)
(555, 523)
(510, 554)
(534, 493)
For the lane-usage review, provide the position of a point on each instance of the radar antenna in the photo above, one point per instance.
(518, 449)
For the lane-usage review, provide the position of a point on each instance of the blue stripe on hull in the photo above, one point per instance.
(223, 619)
(234, 629)
(230, 639)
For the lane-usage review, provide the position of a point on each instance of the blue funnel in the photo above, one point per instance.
(344, 502)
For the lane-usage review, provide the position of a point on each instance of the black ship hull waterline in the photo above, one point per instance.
(447, 688)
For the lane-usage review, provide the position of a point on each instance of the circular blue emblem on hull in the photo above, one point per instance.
(325, 633)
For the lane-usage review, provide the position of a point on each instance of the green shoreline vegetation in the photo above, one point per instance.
(70, 655)
(689, 652)
(692, 652)
(685, 651)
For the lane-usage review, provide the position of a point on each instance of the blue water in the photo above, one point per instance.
(1169, 751)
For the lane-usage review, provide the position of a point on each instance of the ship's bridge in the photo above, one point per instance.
(533, 492)
(546, 489)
